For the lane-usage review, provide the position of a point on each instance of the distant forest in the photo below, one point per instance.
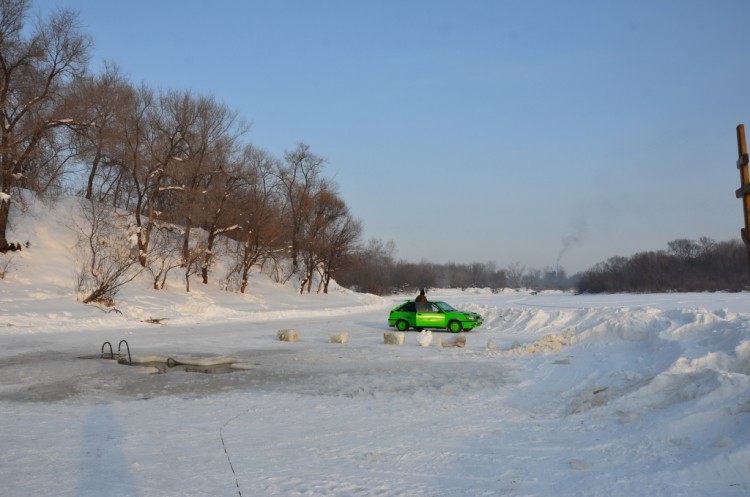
(686, 266)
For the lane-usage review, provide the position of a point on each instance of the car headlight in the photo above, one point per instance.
(471, 318)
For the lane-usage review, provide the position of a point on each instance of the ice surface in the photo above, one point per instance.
(577, 395)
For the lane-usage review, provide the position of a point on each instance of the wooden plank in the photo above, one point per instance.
(743, 161)
(741, 192)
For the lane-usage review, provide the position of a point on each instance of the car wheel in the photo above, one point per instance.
(402, 325)
(455, 326)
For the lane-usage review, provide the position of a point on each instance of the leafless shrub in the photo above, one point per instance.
(193, 255)
(164, 253)
(109, 259)
(5, 264)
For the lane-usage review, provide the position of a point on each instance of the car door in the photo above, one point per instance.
(408, 312)
(429, 316)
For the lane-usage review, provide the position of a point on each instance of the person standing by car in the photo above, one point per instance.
(421, 297)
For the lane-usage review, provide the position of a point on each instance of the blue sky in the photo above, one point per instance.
(475, 131)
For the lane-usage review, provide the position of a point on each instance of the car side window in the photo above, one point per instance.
(409, 307)
(424, 307)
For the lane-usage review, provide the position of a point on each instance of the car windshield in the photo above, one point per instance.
(445, 307)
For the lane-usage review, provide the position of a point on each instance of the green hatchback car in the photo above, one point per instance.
(419, 315)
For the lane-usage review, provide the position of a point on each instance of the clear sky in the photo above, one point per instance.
(473, 131)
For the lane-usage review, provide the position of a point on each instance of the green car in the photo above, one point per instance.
(419, 315)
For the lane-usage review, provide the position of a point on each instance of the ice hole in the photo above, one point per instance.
(162, 365)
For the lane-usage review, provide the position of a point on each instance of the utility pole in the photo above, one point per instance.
(743, 191)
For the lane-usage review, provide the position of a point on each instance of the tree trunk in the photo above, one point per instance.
(5, 204)
(208, 256)
(92, 174)
(186, 254)
(4, 210)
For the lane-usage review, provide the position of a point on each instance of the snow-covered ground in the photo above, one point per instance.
(556, 395)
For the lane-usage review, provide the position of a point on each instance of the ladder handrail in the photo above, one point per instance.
(130, 360)
(111, 353)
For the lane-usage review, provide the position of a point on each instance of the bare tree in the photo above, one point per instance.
(165, 253)
(325, 207)
(257, 206)
(218, 221)
(372, 268)
(707, 246)
(515, 274)
(36, 65)
(684, 249)
(208, 171)
(531, 279)
(109, 260)
(151, 150)
(103, 101)
(219, 130)
(301, 182)
(339, 240)
(192, 257)
(329, 237)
